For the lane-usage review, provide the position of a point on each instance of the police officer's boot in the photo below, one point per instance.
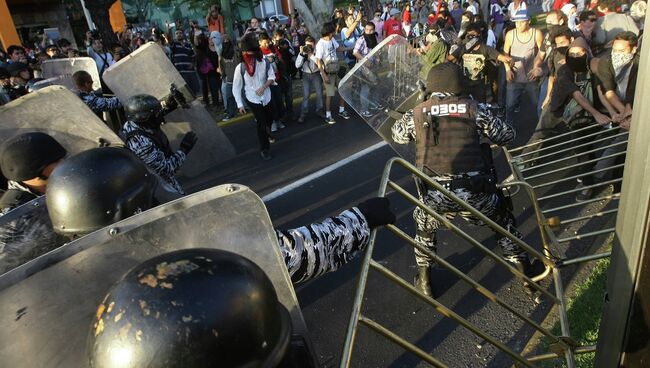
(530, 269)
(422, 281)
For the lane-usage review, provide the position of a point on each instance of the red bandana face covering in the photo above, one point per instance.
(250, 61)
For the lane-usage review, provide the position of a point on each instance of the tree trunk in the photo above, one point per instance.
(314, 20)
(99, 13)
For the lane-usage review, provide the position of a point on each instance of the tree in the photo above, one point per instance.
(141, 8)
(98, 10)
(319, 14)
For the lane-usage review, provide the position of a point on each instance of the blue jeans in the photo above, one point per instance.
(309, 82)
(230, 105)
(514, 91)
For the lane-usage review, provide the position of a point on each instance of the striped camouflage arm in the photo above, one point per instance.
(403, 131)
(314, 250)
(491, 126)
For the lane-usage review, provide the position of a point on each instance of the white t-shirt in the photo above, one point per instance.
(326, 50)
(473, 8)
(252, 84)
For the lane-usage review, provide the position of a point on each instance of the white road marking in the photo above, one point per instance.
(324, 171)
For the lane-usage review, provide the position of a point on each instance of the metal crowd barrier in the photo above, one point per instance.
(560, 161)
(555, 157)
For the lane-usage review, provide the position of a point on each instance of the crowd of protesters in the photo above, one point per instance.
(509, 60)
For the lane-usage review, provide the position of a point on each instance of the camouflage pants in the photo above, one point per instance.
(491, 205)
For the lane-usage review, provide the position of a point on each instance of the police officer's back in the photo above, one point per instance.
(448, 128)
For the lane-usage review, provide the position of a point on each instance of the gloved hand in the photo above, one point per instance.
(188, 142)
(377, 211)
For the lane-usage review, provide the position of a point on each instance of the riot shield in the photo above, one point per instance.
(26, 233)
(60, 113)
(63, 69)
(47, 305)
(383, 86)
(148, 70)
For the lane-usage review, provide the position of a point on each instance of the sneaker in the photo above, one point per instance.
(274, 127)
(344, 114)
(281, 125)
(330, 120)
(301, 119)
(366, 114)
(225, 118)
(266, 155)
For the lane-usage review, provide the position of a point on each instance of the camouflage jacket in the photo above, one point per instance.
(314, 250)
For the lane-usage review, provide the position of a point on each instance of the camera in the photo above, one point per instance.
(307, 49)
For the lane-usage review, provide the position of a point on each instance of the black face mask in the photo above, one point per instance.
(577, 64)
(552, 28)
(371, 40)
(562, 50)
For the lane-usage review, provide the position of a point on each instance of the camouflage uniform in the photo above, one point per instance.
(311, 251)
(490, 204)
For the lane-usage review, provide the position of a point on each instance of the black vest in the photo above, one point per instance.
(447, 139)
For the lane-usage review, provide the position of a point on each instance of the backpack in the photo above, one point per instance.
(242, 70)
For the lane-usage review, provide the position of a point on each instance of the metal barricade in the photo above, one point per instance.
(550, 166)
(562, 346)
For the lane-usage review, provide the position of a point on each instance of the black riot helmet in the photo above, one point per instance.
(25, 156)
(191, 308)
(145, 110)
(96, 188)
(447, 77)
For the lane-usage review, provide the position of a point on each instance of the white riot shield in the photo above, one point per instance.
(63, 69)
(47, 305)
(148, 70)
(60, 113)
(384, 84)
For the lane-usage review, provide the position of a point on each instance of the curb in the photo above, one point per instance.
(248, 116)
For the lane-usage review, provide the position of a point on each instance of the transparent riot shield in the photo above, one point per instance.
(47, 305)
(149, 71)
(383, 86)
(26, 233)
(60, 113)
(63, 69)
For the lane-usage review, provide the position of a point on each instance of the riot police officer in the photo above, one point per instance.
(98, 187)
(197, 308)
(27, 160)
(143, 135)
(447, 128)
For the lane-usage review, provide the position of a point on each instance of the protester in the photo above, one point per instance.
(183, 58)
(328, 64)
(362, 47)
(251, 81)
(206, 64)
(226, 69)
(522, 44)
(214, 19)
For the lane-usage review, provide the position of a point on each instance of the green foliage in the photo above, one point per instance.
(584, 312)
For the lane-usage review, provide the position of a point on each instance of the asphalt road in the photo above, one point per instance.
(305, 149)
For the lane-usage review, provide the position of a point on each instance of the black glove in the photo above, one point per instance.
(188, 142)
(377, 211)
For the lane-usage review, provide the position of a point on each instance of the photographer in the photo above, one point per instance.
(306, 63)
(96, 50)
